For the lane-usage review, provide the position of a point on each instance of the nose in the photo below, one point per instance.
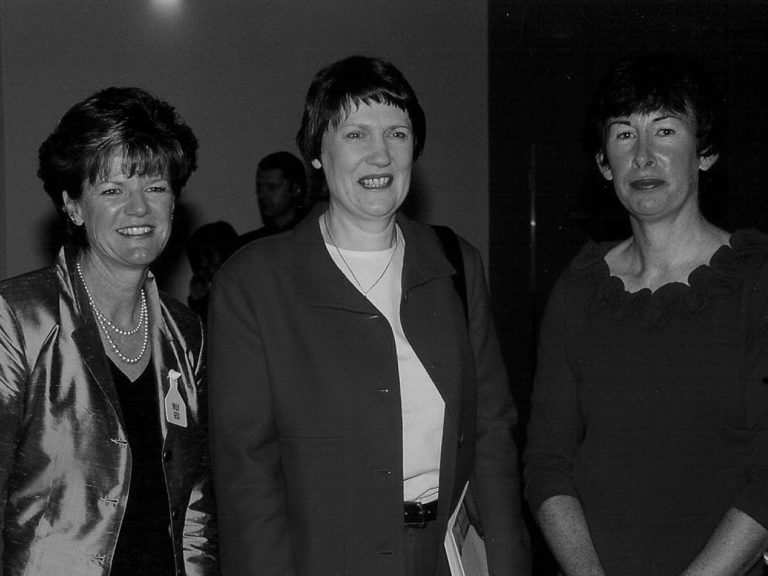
(379, 153)
(137, 204)
(645, 156)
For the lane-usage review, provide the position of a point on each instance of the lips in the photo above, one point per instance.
(135, 230)
(375, 182)
(646, 183)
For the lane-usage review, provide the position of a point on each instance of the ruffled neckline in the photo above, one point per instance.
(726, 271)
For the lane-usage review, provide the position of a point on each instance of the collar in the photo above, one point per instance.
(320, 282)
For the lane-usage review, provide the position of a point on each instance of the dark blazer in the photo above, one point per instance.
(65, 463)
(306, 421)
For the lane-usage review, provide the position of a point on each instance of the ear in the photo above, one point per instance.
(316, 164)
(72, 208)
(706, 162)
(603, 166)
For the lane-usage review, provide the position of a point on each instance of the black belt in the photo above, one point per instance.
(416, 514)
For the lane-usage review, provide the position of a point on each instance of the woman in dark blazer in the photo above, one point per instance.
(351, 398)
(103, 447)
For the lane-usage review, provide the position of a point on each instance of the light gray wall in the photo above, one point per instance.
(238, 73)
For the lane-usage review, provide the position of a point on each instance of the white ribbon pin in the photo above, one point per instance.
(175, 409)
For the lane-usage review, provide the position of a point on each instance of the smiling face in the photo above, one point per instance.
(127, 219)
(367, 162)
(652, 161)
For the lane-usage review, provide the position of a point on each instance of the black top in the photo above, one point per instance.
(144, 545)
(651, 407)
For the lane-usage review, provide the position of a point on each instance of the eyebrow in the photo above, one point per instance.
(122, 179)
(667, 116)
(369, 126)
(626, 122)
(360, 123)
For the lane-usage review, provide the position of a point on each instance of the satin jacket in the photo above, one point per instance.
(306, 417)
(65, 463)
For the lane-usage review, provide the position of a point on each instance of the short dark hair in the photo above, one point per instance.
(291, 166)
(350, 82)
(654, 82)
(151, 137)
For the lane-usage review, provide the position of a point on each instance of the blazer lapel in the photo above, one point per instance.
(88, 342)
(76, 315)
(425, 262)
(167, 355)
(317, 278)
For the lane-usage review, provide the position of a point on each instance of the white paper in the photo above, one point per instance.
(463, 546)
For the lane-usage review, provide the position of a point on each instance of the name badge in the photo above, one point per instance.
(175, 409)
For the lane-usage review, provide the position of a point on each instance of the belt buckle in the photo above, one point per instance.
(421, 517)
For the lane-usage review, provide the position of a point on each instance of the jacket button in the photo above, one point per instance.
(175, 514)
(167, 455)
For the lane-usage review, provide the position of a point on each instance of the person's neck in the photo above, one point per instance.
(116, 292)
(670, 242)
(369, 235)
(663, 252)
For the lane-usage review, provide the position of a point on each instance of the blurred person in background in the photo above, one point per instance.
(207, 249)
(281, 185)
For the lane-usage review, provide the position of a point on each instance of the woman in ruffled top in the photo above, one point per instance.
(648, 439)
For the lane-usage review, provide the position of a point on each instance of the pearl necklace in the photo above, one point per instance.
(393, 244)
(106, 324)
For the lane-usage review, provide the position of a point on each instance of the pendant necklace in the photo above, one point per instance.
(393, 244)
(106, 324)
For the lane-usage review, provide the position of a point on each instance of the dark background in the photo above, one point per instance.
(545, 59)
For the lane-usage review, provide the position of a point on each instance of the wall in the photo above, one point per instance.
(238, 73)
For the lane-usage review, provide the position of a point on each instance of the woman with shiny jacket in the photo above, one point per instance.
(103, 448)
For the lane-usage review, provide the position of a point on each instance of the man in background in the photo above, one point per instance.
(280, 189)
